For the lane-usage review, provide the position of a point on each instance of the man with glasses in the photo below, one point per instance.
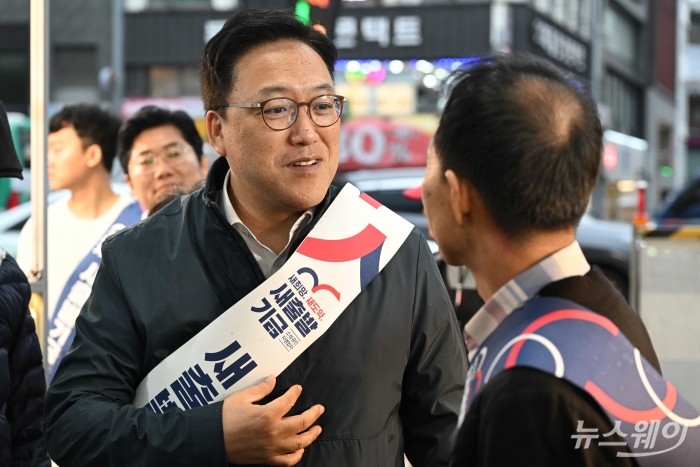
(383, 381)
(161, 154)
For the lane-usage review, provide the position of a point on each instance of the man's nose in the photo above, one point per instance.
(303, 130)
(162, 167)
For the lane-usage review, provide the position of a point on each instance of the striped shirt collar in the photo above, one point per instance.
(567, 262)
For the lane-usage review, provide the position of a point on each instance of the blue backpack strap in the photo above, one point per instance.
(77, 289)
(564, 339)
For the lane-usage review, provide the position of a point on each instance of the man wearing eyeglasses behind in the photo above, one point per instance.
(161, 154)
(385, 379)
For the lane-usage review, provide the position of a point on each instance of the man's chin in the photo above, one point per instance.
(168, 193)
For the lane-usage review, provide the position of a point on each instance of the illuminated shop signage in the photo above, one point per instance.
(401, 31)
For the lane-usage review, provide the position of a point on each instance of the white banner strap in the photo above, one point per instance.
(269, 328)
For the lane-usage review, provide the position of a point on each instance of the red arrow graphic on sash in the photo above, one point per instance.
(344, 249)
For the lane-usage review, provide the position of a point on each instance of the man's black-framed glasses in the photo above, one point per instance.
(279, 113)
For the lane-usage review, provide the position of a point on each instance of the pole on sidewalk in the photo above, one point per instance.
(38, 97)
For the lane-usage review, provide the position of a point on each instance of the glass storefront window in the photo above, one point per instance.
(574, 15)
(180, 2)
(174, 81)
(585, 18)
(571, 16)
(694, 26)
(620, 36)
(694, 115)
(75, 69)
(543, 6)
(140, 5)
(394, 87)
(624, 102)
(559, 11)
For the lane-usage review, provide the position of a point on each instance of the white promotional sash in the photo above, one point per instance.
(269, 328)
(76, 291)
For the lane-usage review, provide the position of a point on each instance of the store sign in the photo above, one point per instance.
(372, 143)
(190, 104)
(559, 46)
(401, 31)
(624, 157)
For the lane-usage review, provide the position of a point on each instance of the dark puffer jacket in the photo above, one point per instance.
(22, 383)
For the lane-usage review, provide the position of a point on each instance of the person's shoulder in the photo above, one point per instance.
(536, 415)
(154, 229)
(526, 382)
(124, 201)
(3, 255)
(599, 295)
(416, 242)
(527, 392)
(53, 209)
(58, 212)
(59, 205)
(10, 272)
(594, 292)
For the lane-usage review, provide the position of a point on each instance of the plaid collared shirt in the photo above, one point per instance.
(567, 262)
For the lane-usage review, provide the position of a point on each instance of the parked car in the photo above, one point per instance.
(606, 244)
(13, 219)
(682, 206)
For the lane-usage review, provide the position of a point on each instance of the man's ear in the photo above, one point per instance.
(215, 123)
(460, 199)
(128, 181)
(93, 155)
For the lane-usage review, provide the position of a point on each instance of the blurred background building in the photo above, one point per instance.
(394, 55)
(692, 86)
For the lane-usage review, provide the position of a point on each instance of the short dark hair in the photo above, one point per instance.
(94, 125)
(527, 136)
(149, 117)
(245, 30)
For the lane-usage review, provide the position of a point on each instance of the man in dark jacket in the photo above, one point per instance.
(383, 381)
(509, 174)
(22, 382)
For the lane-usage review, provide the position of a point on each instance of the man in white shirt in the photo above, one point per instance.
(81, 150)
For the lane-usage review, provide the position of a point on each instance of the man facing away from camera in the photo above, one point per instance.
(509, 175)
(385, 379)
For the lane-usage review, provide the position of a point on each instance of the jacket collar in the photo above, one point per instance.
(215, 179)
